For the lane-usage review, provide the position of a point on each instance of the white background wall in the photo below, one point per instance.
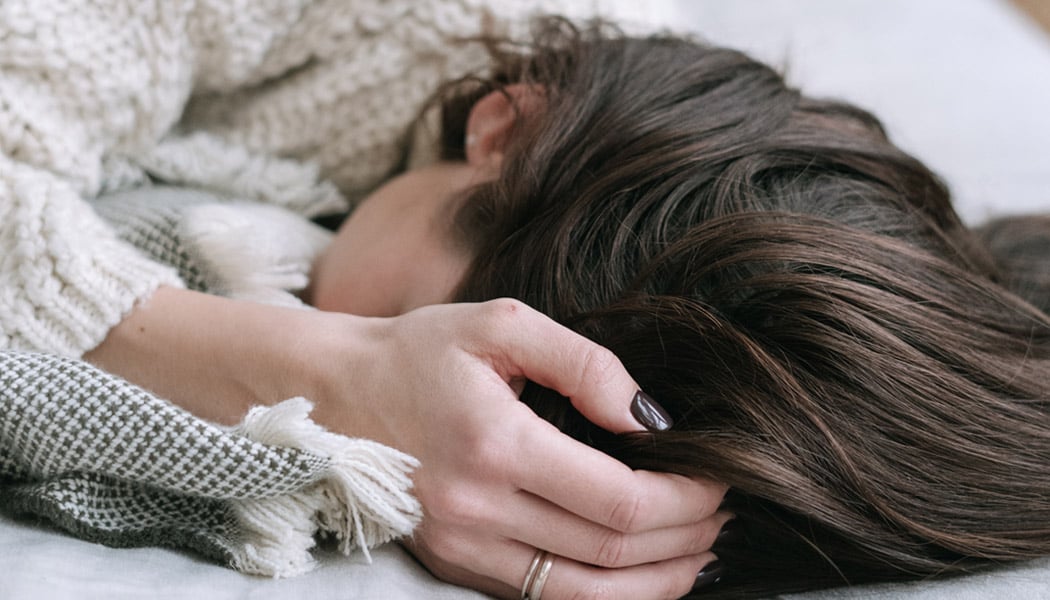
(963, 84)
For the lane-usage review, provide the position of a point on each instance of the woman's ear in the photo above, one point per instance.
(492, 120)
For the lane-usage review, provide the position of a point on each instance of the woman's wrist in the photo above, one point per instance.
(216, 357)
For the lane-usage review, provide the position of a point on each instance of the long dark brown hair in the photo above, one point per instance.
(870, 376)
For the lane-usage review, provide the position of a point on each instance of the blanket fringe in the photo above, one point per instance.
(363, 500)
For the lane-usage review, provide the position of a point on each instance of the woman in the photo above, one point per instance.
(869, 377)
(108, 95)
(749, 254)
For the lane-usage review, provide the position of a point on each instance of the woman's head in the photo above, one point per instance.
(798, 292)
(800, 295)
(403, 247)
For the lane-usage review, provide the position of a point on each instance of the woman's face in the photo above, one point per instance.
(396, 251)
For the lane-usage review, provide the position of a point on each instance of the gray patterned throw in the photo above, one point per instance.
(110, 462)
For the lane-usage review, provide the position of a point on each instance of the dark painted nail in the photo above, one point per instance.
(730, 531)
(649, 414)
(710, 574)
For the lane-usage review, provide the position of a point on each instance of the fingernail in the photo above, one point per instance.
(710, 574)
(731, 534)
(649, 414)
(730, 531)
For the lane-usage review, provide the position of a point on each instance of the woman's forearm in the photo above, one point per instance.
(214, 356)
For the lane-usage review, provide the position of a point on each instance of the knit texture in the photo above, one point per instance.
(302, 105)
(297, 103)
(111, 463)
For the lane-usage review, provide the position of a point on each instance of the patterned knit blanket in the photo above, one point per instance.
(110, 462)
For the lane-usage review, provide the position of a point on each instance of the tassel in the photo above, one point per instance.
(253, 251)
(363, 500)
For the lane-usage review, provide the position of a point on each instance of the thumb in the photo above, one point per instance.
(591, 376)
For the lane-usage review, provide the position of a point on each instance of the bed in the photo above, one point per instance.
(964, 84)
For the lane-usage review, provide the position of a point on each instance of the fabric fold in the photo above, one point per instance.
(362, 499)
(110, 462)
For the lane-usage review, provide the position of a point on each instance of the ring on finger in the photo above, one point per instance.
(536, 576)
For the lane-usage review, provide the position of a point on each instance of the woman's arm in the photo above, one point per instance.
(441, 383)
(214, 356)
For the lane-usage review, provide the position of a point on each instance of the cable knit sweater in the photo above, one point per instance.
(298, 103)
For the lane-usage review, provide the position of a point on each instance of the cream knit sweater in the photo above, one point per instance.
(298, 103)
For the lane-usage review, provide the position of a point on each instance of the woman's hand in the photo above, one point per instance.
(497, 482)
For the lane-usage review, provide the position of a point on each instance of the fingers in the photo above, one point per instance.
(601, 489)
(663, 580)
(499, 567)
(522, 342)
(618, 533)
(593, 544)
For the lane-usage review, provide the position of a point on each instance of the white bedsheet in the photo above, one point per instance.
(964, 84)
(37, 563)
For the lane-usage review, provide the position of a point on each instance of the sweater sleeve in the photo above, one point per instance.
(65, 280)
(83, 84)
(262, 99)
(77, 81)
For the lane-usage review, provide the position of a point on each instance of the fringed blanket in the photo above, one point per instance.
(110, 462)
(301, 104)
